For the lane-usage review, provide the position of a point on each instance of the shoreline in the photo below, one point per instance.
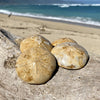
(67, 22)
(59, 21)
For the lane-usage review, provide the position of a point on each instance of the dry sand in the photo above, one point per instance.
(81, 84)
(88, 37)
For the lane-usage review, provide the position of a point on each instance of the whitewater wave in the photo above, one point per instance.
(80, 20)
(69, 5)
(19, 14)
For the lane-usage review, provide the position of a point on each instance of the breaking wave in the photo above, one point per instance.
(80, 20)
(69, 5)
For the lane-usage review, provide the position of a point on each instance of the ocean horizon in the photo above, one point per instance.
(88, 14)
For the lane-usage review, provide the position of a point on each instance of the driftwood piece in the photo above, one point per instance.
(83, 84)
(8, 35)
(14, 39)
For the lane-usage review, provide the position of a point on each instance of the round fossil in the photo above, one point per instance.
(36, 65)
(62, 40)
(70, 55)
(35, 41)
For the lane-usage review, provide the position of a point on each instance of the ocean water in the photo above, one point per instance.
(78, 13)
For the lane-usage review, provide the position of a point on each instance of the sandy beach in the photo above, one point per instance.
(83, 84)
(88, 37)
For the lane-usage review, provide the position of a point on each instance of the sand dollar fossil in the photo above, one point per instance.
(62, 40)
(70, 55)
(36, 65)
(35, 41)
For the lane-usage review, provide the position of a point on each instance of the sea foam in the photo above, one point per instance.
(80, 20)
(69, 5)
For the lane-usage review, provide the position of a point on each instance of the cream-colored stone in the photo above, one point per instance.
(36, 65)
(35, 41)
(70, 55)
(62, 40)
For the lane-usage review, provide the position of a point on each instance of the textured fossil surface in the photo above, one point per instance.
(70, 55)
(35, 41)
(63, 40)
(36, 65)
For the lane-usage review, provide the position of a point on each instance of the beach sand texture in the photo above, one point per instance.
(83, 84)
